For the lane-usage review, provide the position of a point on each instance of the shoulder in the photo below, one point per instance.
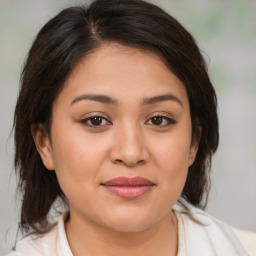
(248, 240)
(36, 245)
(51, 244)
(204, 233)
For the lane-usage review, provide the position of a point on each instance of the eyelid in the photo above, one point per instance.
(93, 114)
(171, 120)
(165, 116)
(90, 116)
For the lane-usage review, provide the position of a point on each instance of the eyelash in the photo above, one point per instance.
(169, 121)
(84, 122)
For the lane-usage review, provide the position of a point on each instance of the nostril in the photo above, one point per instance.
(129, 163)
(140, 161)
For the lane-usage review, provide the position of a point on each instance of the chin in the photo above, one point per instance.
(130, 227)
(130, 222)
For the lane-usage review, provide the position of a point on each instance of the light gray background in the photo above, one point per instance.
(225, 30)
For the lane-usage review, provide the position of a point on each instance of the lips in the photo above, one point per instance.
(129, 188)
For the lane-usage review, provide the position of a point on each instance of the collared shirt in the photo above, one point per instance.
(199, 234)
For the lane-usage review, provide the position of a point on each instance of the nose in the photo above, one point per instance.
(129, 147)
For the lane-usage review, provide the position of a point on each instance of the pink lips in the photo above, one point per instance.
(129, 188)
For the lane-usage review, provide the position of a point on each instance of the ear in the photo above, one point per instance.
(43, 145)
(194, 145)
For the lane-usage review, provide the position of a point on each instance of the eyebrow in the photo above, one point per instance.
(109, 100)
(96, 97)
(160, 98)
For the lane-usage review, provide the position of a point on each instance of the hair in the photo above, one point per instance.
(59, 47)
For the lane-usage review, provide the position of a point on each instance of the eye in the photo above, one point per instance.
(161, 121)
(95, 121)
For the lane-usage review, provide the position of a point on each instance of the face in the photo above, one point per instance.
(122, 113)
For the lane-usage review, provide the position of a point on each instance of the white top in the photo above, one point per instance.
(199, 234)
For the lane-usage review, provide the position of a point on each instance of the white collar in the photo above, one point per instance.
(206, 235)
(63, 248)
(199, 234)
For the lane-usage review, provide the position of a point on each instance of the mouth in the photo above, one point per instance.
(129, 188)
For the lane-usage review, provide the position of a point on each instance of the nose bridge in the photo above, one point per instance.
(129, 144)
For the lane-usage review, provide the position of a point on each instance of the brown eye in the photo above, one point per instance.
(157, 120)
(96, 120)
(161, 121)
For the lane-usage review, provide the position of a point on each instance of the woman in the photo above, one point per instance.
(116, 118)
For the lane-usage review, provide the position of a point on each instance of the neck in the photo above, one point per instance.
(89, 238)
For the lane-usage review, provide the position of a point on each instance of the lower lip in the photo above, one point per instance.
(129, 192)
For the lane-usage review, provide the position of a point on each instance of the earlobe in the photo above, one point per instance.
(193, 152)
(43, 145)
(194, 146)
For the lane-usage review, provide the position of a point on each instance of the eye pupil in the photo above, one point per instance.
(157, 120)
(96, 120)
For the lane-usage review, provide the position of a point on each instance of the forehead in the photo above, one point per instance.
(123, 72)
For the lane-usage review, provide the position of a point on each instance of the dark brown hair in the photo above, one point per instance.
(56, 51)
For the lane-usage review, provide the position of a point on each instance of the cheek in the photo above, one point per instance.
(77, 159)
(174, 166)
(172, 157)
(171, 181)
(173, 152)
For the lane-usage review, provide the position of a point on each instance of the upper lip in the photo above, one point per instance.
(131, 182)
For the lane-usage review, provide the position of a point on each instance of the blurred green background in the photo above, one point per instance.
(226, 33)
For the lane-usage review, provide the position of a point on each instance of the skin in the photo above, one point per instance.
(128, 143)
